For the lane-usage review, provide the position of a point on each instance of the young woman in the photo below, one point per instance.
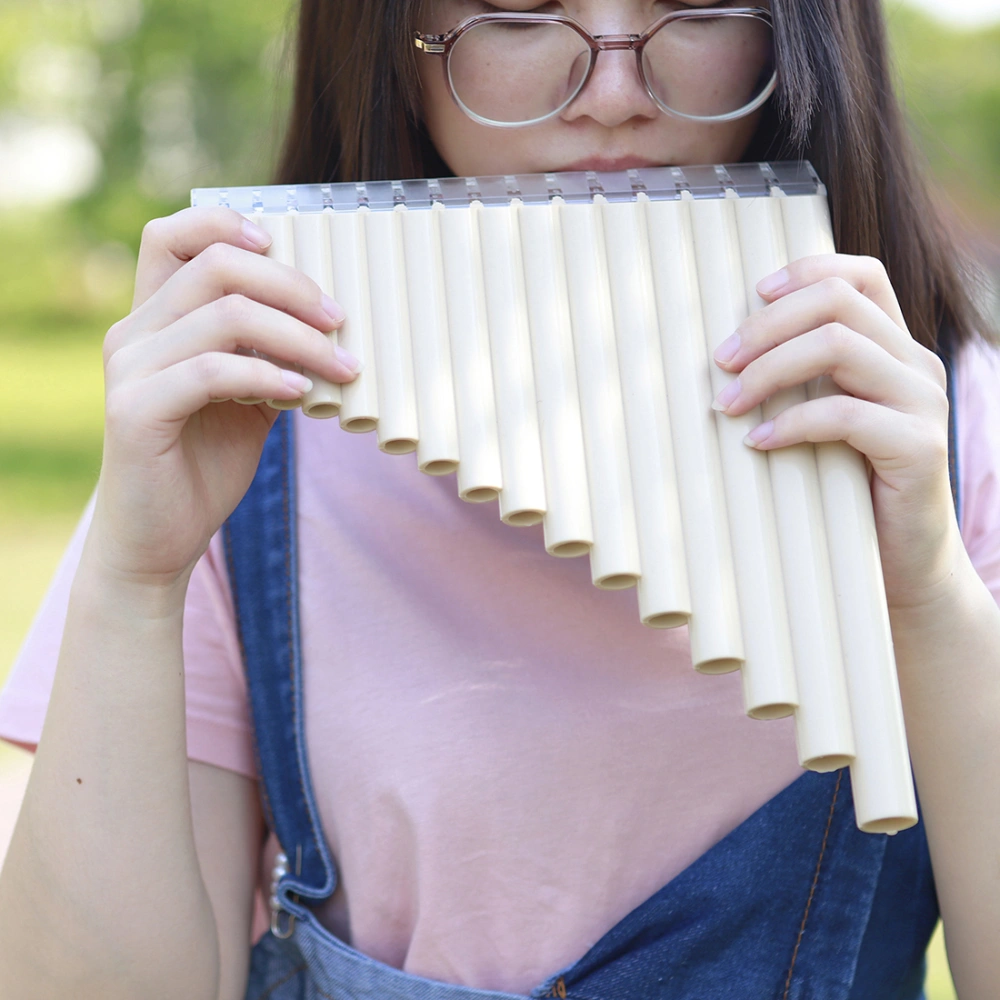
(524, 792)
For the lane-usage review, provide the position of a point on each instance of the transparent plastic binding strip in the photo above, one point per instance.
(794, 177)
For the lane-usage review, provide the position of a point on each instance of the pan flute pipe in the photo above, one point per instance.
(549, 338)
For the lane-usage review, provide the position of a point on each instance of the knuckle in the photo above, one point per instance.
(154, 233)
(116, 365)
(216, 258)
(874, 267)
(939, 401)
(119, 408)
(234, 310)
(114, 339)
(847, 409)
(837, 288)
(836, 337)
(930, 443)
(935, 367)
(208, 367)
(939, 449)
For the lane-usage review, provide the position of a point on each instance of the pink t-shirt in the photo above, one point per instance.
(506, 762)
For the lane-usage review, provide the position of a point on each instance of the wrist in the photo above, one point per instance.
(954, 593)
(144, 560)
(99, 584)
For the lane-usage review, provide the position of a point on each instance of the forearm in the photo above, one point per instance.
(949, 666)
(101, 894)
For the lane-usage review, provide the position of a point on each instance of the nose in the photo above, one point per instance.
(614, 94)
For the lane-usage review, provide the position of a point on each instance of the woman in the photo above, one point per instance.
(524, 792)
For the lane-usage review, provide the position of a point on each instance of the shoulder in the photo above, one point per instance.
(977, 405)
(977, 368)
(977, 428)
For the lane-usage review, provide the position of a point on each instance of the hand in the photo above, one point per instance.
(837, 315)
(176, 463)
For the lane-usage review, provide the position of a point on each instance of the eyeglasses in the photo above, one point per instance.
(509, 70)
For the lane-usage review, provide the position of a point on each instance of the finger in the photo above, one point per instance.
(867, 274)
(830, 300)
(169, 243)
(892, 441)
(232, 323)
(856, 364)
(222, 270)
(186, 387)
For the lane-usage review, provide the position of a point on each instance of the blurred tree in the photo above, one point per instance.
(110, 111)
(950, 80)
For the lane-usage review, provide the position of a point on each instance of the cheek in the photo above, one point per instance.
(685, 143)
(468, 148)
(709, 69)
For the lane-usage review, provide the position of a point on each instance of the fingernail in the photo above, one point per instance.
(726, 351)
(759, 434)
(728, 395)
(348, 359)
(295, 381)
(771, 284)
(333, 310)
(256, 235)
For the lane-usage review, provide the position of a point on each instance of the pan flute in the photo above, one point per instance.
(549, 338)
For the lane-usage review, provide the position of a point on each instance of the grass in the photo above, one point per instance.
(51, 416)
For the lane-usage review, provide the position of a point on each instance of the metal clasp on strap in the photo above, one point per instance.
(282, 929)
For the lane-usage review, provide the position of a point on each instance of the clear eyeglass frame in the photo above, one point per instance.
(443, 45)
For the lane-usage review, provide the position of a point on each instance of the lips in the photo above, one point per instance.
(608, 164)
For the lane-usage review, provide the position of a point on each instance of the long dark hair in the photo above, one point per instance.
(355, 116)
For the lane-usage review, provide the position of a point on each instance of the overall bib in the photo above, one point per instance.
(795, 904)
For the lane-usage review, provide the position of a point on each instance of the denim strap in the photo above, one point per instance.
(261, 554)
(948, 357)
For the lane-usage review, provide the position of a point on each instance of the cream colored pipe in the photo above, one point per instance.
(614, 558)
(437, 448)
(311, 233)
(522, 499)
(567, 526)
(397, 397)
(282, 249)
(479, 474)
(823, 720)
(359, 409)
(769, 689)
(714, 628)
(664, 596)
(881, 780)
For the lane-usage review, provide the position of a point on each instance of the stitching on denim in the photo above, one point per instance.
(281, 982)
(289, 471)
(812, 888)
(227, 548)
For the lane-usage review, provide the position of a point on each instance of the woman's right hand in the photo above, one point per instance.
(176, 463)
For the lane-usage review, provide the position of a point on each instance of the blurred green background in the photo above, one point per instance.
(111, 110)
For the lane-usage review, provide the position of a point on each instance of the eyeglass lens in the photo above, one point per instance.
(513, 72)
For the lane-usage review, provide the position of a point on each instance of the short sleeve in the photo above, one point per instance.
(977, 417)
(218, 727)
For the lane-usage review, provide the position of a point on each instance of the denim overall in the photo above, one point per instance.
(794, 904)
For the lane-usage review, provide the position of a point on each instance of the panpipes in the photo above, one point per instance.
(549, 338)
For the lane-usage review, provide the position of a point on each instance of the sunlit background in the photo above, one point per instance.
(111, 110)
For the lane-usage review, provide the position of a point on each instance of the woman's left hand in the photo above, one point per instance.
(837, 315)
